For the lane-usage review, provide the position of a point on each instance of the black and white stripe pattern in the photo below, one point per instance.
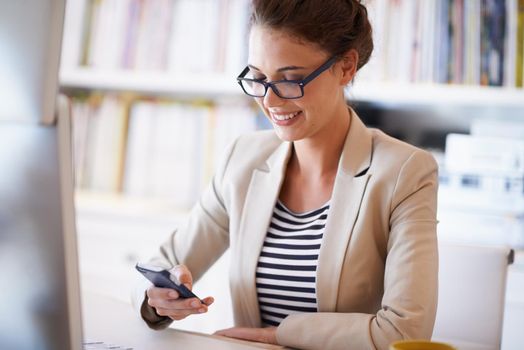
(286, 270)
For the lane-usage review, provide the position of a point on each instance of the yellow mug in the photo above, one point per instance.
(419, 345)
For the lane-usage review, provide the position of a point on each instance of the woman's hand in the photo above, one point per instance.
(167, 302)
(262, 335)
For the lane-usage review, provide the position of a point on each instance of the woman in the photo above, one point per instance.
(331, 225)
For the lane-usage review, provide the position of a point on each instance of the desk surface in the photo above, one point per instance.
(115, 322)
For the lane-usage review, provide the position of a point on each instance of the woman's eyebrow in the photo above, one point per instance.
(290, 68)
(283, 69)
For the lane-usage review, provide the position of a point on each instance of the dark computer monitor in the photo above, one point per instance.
(39, 284)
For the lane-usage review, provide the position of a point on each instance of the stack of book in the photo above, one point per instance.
(157, 35)
(99, 137)
(481, 194)
(153, 148)
(447, 41)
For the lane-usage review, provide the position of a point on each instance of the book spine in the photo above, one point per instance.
(497, 42)
(519, 64)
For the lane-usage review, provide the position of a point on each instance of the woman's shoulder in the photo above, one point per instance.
(393, 149)
(253, 149)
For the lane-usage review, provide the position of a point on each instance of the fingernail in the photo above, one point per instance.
(195, 304)
(201, 310)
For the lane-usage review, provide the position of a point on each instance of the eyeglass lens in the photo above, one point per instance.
(283, 89)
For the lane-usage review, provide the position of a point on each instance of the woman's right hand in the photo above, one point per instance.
(167, 302)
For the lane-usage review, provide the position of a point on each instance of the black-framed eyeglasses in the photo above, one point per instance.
(288, 89)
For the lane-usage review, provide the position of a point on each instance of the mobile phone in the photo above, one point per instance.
(162, 278)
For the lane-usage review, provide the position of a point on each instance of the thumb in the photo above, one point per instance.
(183, 275)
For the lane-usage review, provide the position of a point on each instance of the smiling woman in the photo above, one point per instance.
(331, 225)
(270, 54)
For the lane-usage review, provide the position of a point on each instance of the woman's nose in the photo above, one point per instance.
(272, 99)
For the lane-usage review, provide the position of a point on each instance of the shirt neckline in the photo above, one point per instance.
(322, 207)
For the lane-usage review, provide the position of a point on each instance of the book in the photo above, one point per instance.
(153, 36)
(162, 158)
(519, 62)
(443, 42)
(456, 32)
(470, 154)
(107, 34)
(493, 32)
(71, 55)
(80, 116)
(236, 36)
(194, 53)
(229, 120)
(471, 73)
(106, 142)
(137, 166)
(428, 25)
(510, 55)
(130, 42)
(176, 153)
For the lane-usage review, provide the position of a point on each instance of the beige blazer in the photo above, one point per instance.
(377, 266)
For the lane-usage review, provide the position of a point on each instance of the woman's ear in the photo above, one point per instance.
(349, 64)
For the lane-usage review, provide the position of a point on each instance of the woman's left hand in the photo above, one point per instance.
(262, 335)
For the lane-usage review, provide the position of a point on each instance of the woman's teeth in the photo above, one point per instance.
(285, 116)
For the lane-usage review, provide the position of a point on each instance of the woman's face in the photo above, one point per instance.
(275, 55)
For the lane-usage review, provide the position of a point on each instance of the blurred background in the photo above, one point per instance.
(155, 101)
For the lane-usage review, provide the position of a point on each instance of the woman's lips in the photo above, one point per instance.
(284, 118)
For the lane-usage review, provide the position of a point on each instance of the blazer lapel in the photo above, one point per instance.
(349, 188)
(262, 195)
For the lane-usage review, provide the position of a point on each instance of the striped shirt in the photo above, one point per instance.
(286, 270)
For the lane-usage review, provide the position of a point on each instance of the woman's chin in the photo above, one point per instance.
(286, 136)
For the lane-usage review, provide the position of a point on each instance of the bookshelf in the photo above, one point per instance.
(141, 85)
(448, 42)
(127, 207)
(424, 59)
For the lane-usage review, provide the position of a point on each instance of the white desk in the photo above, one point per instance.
(115, 322)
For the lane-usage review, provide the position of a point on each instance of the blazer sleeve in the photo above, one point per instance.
(197, 244)
(409, 301)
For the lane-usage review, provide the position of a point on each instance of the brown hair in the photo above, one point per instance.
(336, 26)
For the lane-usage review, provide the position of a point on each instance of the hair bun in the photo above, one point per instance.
(336, 26)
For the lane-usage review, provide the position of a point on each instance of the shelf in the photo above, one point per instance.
(398, 93)
(124, 207)
(152, 83)
(221, 84)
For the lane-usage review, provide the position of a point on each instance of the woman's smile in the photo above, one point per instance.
(285, 118)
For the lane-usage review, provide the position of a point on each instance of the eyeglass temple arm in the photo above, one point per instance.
(244, 72)
(319, 70)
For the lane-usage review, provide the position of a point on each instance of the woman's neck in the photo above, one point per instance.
(319, 156)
